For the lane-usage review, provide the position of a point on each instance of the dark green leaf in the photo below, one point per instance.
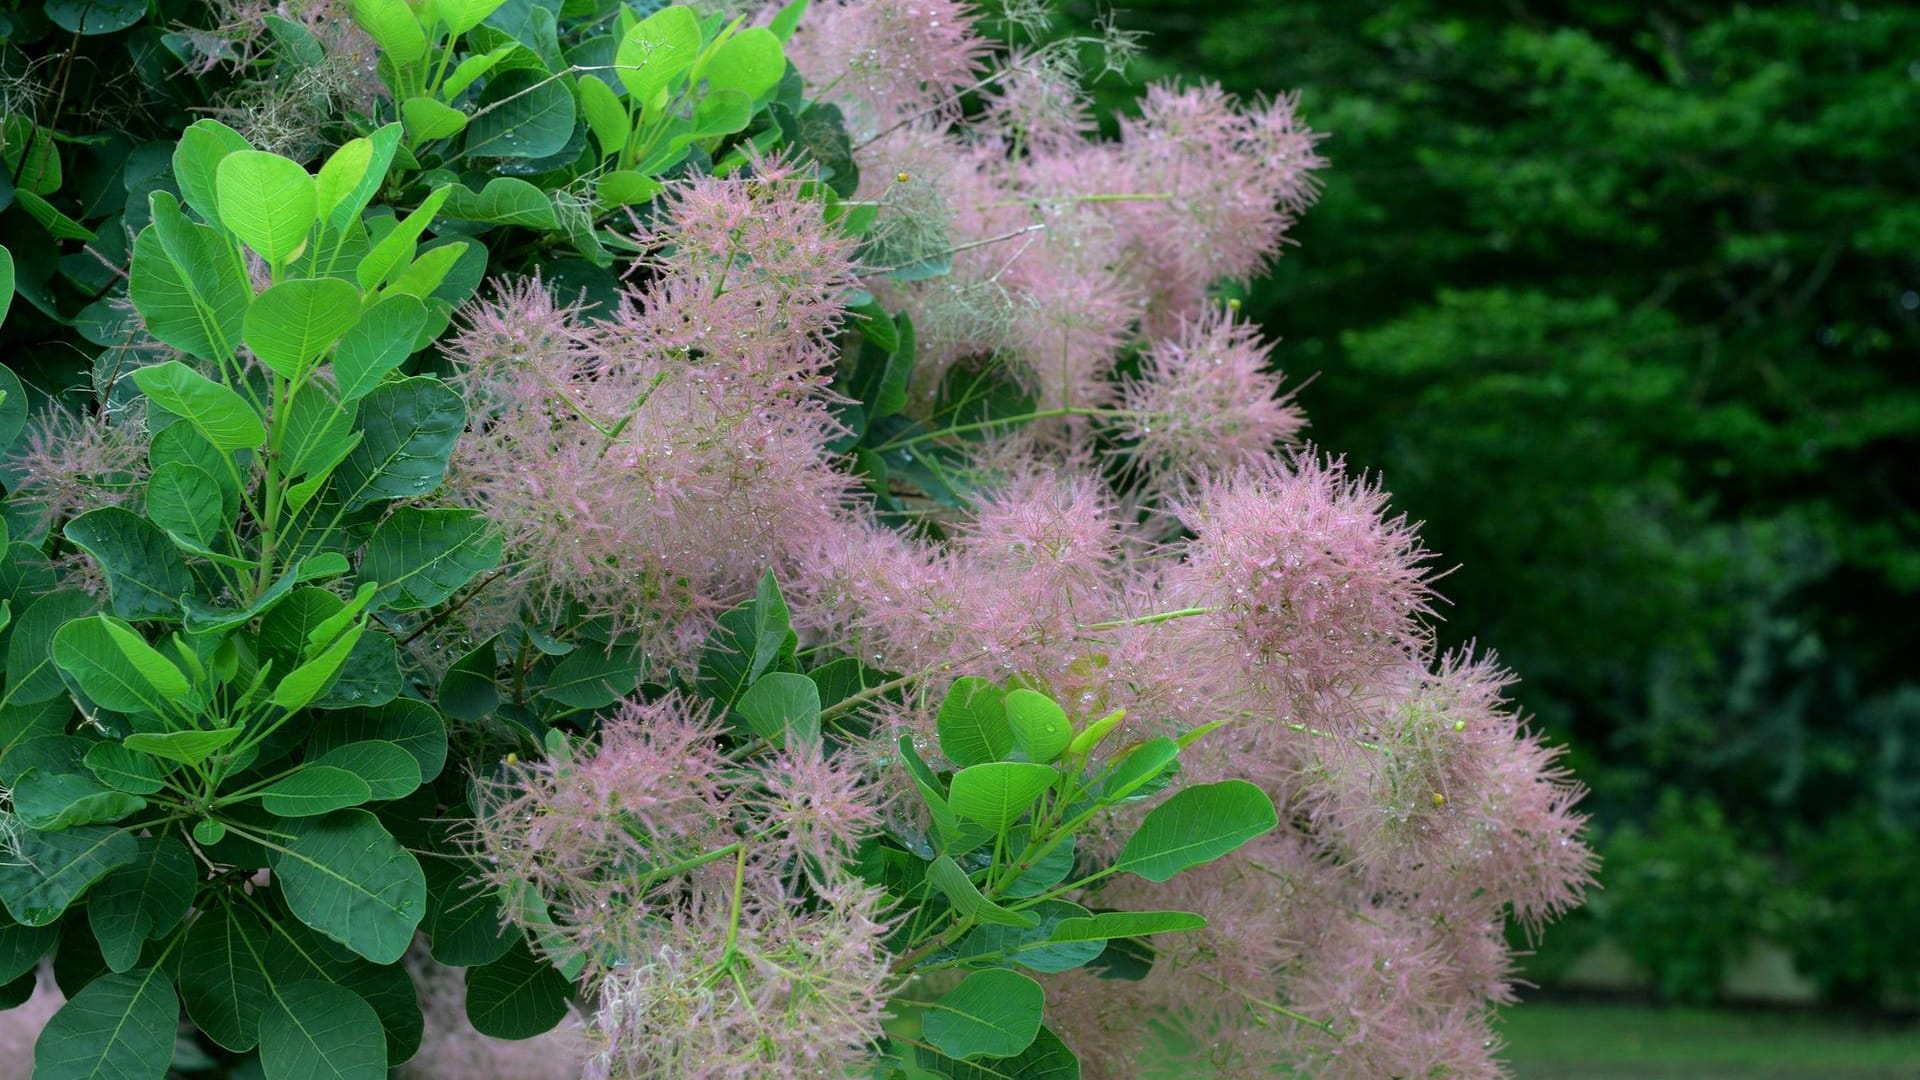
(408, 428)
(143, 900)
(419, 556)
(145, 576)
(517, 996)
(345, 876)
(316, 789)
(118, 1026)
(223, 977)
(319, 1031)
(47, 871)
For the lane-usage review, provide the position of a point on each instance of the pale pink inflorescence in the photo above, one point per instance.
(652, 464)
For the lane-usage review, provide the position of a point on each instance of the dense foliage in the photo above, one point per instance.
(1643, 277)
(747, 537)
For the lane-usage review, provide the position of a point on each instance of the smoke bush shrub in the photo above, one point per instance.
(892, 624)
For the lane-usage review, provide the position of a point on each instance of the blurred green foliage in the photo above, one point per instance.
(1623, 300)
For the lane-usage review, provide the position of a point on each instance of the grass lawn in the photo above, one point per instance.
(1605, 1041)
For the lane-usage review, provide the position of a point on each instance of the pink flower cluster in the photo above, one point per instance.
(650, 465)
(712, 902)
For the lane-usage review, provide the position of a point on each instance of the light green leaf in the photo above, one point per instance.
(392, 24)
(116, 1026)
(397, 247)
(196, 161)
(659, 47)
(340, 176)
(143, 900)
(145, 576)
(751, 62)
(187, 285)
(47, 871)
(427, 272)
(347, 207)
(1040, 727)
(227, 421)
(408, 429)
(946, 875)
(463, 15)
(316, 789)
(972, 723)
(625, 187)
(185, 747)
(420, 557)
(787, 20)
(605, 116)
(996, 794)
(427, 119)
(1124, 924)
(1197, 825)
(992, 1013)
(468, 71)
(780, 704)
(517, 996)
(53, 800)
(378, 343)
(318, 1031)
(506, 200)
(185, 499)
(267, 201)
(346, 876)
(306, 682)
(388, 770)
(295, 322)
(223, 978)
(1142, 771)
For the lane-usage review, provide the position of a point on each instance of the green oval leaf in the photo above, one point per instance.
(992, 1013)
(318, 1031)
(345, 876)
(185, 747)
(972, 723)
(420, 556)
(267, 201)
(1040, 727)
(228, 422)
(186, 499)
(295, 322)
(54, 800)
(142, 901)
(780, 706)
(222, 975)
(996, 794)
(145, 574)
(117, 668)
(517, 996)
(116, 1026)
(49, 870)
(408, 428)
(1197, 825)
(377, 344)
(388, 771)
(659, 47)
(316, 790)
